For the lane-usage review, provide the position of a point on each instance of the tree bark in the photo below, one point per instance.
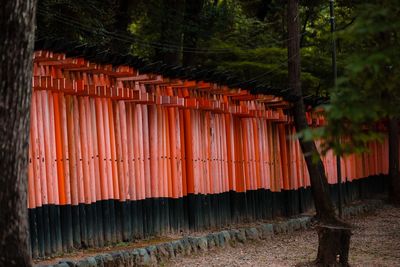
(394, 187)
(334, 244)
(171, 32)
(319, 184)
(193, 9)
(122, 20)
(17, 24)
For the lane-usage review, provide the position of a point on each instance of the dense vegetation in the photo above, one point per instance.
(245, 37)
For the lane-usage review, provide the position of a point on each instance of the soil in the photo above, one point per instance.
(375, 242)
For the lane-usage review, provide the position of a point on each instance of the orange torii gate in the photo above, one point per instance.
(117, 153)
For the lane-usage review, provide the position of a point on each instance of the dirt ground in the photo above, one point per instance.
(375, 242)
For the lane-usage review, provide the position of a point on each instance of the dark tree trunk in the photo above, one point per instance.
(122, 20)
(394, 186)
(171, 32)
(304, 28)
(334, 244)
(193, 9)
(16, 47)
(319, 184)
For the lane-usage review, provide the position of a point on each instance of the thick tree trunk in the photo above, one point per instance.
(334, 244)
(122, 20)
(263, 8)
(394, 186)
(319, 184)
(193, 9)
(16, 47)
(171, 32)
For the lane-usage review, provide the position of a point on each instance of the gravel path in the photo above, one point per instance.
(375, 242)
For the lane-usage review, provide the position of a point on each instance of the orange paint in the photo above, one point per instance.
(59, 150)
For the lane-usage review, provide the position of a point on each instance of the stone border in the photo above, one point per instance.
(155, 254)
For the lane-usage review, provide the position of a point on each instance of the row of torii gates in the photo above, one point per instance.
(119, 152)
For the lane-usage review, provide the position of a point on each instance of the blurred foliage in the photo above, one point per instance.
(74, 20)
(368, 92)
(247, 38)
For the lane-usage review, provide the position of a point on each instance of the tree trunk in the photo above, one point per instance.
(16, 46)
(191, 28)
(394, 186)
(319, 184)
(171, 32)
(334, 244)
(122, 20)
(263, 8)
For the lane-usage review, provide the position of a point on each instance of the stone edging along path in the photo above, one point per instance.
(156, 254)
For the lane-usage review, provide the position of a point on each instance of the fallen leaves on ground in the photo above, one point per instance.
(375, 242)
